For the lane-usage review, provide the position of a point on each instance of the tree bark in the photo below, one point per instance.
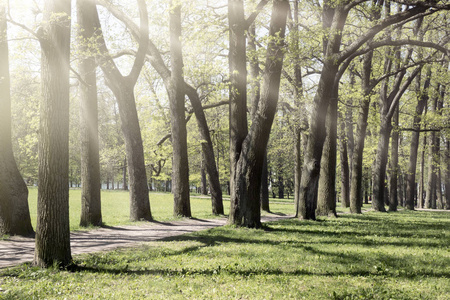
(433, 163)
(265, 186)
(204, 185)
(326, 200)
(411, 176)
(180, 165)
(420, 199)
(345, 175)
(238, 101)
(245, 207)
(158, 63)
(52, 230)
(91, 213)
(322, 99)
(123, 89)
(255, 96)
(447, 176)
(393, 180)
(389, 104)
(14, 211)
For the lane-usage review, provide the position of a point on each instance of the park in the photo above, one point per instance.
(199, 149)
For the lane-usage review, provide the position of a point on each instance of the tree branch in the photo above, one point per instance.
(254, 14)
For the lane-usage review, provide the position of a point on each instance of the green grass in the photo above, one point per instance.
(402, 255)
(116, 207)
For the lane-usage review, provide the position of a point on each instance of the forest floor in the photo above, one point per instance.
(16, 250)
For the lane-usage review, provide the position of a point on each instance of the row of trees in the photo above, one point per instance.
(305, 66)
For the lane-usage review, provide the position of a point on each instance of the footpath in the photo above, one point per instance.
(16, 250)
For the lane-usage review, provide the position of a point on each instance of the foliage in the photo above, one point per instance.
(372, 256)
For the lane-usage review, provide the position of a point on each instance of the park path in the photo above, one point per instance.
(17, 250)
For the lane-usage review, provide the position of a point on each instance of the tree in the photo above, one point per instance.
(336, 60)
(52, 230)
(180, 165)
(421, 103)
(14, 211)
(246, 173)
(157, 61)
(123, 89)
(91, 213)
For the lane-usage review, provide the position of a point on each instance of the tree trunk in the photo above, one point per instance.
(238, 101)
(158, 63)
(52, 230)
(430, 197)
(91, 213)
(255, 96)
(422, 101)
(245, 200)
(204, 186)
(379, 179)
(393, 180)
(123, 89)
(265, 186)
(180, 165)
(14, 211)
(326, 200)
(447, 176)
(322, 99)
(420, 194)
(345, 175)
(356, 185)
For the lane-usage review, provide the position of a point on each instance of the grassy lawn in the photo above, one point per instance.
(402, 255)
(116, 207)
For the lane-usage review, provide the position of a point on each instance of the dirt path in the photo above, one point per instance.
(17, 250)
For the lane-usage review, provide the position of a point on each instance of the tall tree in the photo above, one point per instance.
(334, 60)
(388, 103)
(91, 212)
(52, 231)
(255, 96)
(14, 211)
(180, 165)
(238, 97)
(422, 98)
(246, 174)
(156, 60)
(123, 89)
(393, 164)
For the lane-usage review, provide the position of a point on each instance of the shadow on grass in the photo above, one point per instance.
(239, 271)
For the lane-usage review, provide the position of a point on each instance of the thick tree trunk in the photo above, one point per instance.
(238, 101)
(246, 191)
(255, 96)
(52, 231)
(158, 63)
(393, 180)
(137, 175)
(430, 193)
(345, 175)
(91, 213)
(447, 176)
(14, 211)
(420, 194)
(297, 168)
(326, 200)
(379, 177)
(180, 165)
(123, 89)
(322, 99)
(356, 184)
(411, 179)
